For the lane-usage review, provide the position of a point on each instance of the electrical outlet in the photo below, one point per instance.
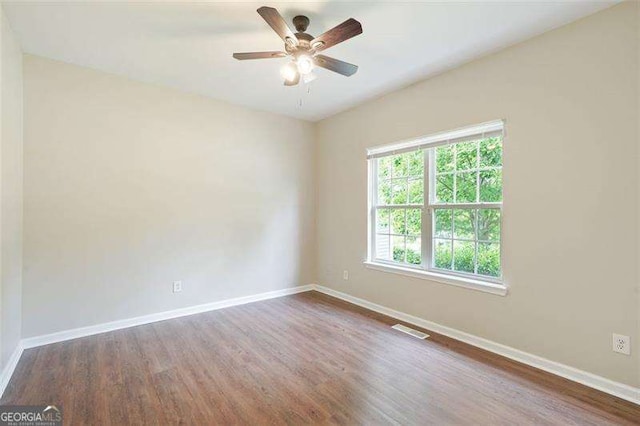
(345, 275)
(177, 286)
(622, 344)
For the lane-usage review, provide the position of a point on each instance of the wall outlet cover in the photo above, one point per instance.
(177, 286)
(622, 344)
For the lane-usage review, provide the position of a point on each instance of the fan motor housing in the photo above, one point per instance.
(303, 45)
(304, 37)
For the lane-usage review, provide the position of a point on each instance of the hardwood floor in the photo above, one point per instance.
(307, 358)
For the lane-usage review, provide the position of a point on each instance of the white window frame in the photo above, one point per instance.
(426, 270)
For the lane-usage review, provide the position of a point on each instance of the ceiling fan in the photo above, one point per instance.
(303, 48)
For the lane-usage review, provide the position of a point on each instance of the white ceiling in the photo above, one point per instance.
(188, 46)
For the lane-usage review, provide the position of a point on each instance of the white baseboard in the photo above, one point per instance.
(75, 333)
(620, 390)
(8, 370)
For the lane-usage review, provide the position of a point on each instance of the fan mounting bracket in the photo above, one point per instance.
(301, 23)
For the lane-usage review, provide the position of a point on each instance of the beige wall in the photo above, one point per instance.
(569, 98)
(129, 187)
(10, 193)
(637, 339)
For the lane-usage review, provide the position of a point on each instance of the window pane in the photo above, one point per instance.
(398, 222)
(414, 250)
(383, 247)
(444, 159)
(464, 224)
(382, 220)
(384, 192)
(416, 163)
(442, 253)
(399, 191)
(489, 259)
(491, 185)
(489, 225)
(398, 248)
(466, 187)
(414, 221)
(416, 191)
(443, 223)
(384, 168)
(467, 156)
(491, 152)
(444, 188)
(399, 165)
(463, 256)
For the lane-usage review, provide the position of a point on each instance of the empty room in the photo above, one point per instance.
(355, 213)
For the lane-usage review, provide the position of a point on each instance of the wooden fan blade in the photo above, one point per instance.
(275, 21)
(258, 55)
(348, 29)
(293, 82)
(335, 65)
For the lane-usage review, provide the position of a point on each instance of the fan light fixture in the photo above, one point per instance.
(305, 64)
(308, 78)
(289, 72)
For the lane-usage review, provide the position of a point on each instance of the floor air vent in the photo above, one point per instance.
(410, 331)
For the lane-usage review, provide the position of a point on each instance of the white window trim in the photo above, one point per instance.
(491, 285)
(473, 284)
(487, 129)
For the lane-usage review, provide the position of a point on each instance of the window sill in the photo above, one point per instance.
(484, 286)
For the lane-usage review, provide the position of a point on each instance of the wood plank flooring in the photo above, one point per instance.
(300, 359)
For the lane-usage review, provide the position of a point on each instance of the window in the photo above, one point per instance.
(436, 203)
